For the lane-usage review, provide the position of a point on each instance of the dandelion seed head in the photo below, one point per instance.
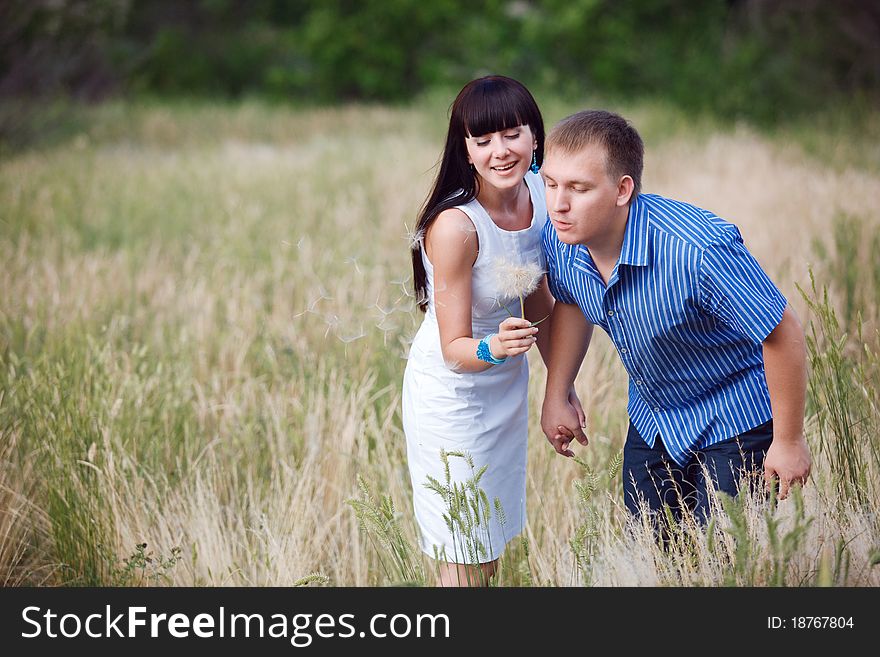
(515, 280)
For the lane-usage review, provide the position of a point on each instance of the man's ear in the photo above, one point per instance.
(625, 187)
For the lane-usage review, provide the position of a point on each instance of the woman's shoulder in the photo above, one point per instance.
(451, 229)
(452, 219)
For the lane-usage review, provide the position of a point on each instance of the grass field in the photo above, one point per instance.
(204, 318)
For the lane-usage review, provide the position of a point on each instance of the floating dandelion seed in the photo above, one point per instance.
(351, 338)
(453, 365)
(414, 238)
(514, 280)
(353, 261)
(311, 307)
(468, 230)
(347, 339)
(406, 340)
(422, 299)
(386, 327)
(385, 323)
(384, 311)
(404, 287)
(332, 324)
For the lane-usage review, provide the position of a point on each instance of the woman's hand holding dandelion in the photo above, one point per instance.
(517, 281)
(514, 280)
(515, 336)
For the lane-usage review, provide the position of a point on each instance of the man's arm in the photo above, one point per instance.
(539, 308)
(785, 365)
(570, 334)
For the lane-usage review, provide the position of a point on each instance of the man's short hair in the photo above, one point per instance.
(624, 150)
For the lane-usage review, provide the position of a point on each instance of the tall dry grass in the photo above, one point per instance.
(204, 320)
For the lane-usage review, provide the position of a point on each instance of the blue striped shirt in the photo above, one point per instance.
(687, 307)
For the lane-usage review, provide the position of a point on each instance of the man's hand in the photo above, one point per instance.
(562, 417)
(785, 366)
(562, 421)
(788, 461)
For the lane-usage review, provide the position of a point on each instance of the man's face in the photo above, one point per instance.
(583, 201)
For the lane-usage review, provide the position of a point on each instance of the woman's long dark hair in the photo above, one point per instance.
(485, 105)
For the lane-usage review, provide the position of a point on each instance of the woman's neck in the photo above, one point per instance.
(502, 202)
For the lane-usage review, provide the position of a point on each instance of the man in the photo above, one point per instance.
(715, 356)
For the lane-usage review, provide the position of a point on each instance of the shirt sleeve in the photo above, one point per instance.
(550, 243)
(735, 289)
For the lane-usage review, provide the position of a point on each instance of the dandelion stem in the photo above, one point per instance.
(540, 320)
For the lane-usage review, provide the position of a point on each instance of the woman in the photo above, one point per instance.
(465, 388)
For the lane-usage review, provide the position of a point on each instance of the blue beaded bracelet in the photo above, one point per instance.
(485, 354)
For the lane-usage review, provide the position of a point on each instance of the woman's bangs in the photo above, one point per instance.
(486, 113)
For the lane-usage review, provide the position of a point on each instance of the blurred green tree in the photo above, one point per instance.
(760, 59)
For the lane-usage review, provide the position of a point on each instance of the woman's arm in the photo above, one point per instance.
(451, 244)
(539, 306)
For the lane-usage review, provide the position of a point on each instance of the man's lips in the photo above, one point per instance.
(560, 225)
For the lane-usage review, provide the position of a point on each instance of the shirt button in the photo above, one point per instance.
(639, 382)
(624, 350)
(656, 409)
(611, 313)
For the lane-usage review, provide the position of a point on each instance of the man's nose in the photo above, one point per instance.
(559, 202)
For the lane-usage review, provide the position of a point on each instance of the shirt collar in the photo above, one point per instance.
(582, 260)
(634, 250)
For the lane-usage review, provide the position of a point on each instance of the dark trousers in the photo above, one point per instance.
(651, 475)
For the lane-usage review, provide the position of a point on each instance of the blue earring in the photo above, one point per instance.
(534, 168)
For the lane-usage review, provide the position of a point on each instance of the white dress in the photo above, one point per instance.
(484, 414)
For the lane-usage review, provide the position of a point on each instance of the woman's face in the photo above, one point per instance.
(501, 159)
